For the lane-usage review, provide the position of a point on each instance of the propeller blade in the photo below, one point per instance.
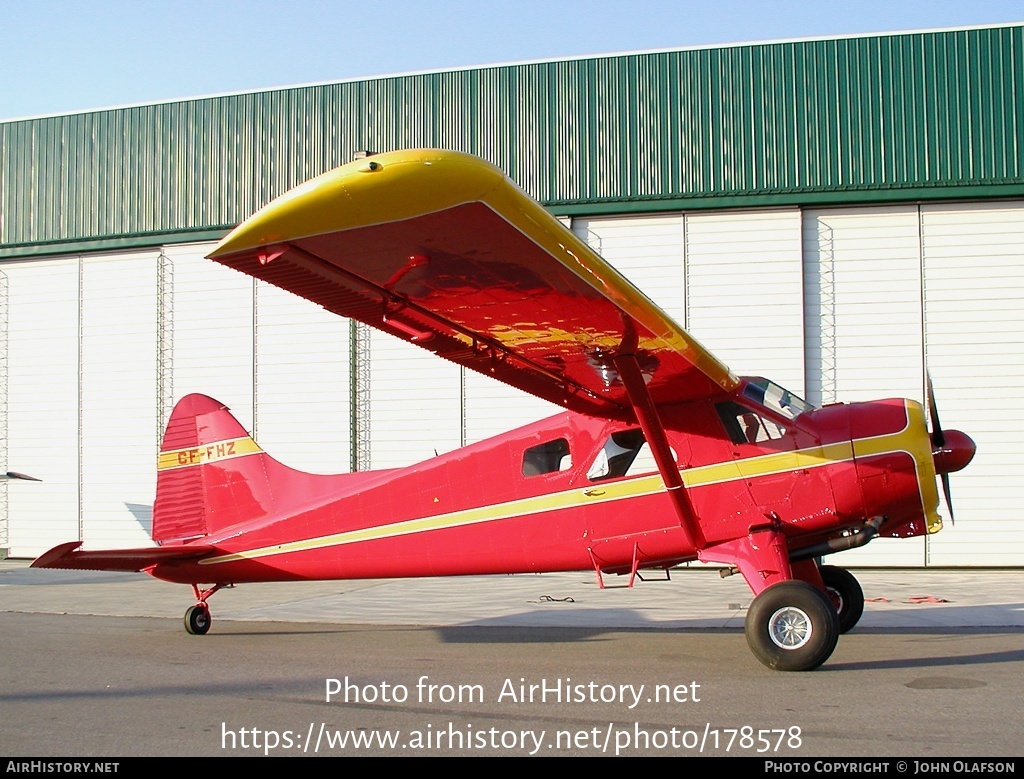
(948, 496)
(938, 437)
(16, 475)
(938, 441)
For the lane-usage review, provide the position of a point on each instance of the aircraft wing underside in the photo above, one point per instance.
(440, 249)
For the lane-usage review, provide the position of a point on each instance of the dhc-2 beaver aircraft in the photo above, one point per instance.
(662, 455)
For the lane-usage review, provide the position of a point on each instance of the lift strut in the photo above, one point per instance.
(646, 412)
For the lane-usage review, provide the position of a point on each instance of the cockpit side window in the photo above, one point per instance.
(549, 457)
(745, 426)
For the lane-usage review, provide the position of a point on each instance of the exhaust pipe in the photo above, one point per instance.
(858, 538)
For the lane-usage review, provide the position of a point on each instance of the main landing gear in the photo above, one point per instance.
(792, 626)
(795, 626)
(197, 618)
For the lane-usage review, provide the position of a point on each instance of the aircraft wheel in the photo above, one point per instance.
(792, 626)
(846, 594)
(197, 619)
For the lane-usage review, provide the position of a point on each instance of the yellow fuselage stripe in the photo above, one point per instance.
(904, 441)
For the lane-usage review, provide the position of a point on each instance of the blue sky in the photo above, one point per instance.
(61, 56)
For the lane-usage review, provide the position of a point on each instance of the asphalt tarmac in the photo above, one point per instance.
(99, 665)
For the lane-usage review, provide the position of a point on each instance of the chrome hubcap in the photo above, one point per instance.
(790, 628)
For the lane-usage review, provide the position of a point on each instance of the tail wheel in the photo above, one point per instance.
(846, 594)
(197, 619)
(792, 626)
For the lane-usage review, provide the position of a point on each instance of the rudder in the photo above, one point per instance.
(211, 474)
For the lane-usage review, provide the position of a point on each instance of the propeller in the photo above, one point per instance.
(16, 475)
(951, 450)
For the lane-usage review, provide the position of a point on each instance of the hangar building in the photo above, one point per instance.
(840, 215)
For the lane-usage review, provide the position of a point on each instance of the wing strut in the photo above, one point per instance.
(647, 415)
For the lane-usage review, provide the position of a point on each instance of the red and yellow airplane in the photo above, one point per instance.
(662, 455)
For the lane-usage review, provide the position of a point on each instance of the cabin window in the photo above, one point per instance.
(748, 427)
(549, 457)
(625, 453)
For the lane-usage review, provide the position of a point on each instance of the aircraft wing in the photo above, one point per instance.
(442, 250)
(67, 556)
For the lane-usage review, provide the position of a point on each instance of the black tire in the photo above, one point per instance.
(846, 594)
(197, 620)
(792, 626)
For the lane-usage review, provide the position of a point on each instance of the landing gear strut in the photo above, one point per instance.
(792, 626)
(197, 618)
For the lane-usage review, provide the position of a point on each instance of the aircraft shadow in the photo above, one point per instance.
(981, 658)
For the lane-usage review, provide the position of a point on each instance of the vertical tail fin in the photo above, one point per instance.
(211, 474)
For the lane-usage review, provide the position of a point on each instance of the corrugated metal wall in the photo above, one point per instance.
(911, 115)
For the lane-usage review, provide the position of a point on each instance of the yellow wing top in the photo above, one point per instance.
(441, 249)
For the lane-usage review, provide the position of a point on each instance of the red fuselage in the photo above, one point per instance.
(572, 492)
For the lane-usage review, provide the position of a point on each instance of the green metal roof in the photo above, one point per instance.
(904, 116)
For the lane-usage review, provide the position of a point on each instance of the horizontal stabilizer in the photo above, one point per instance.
(68, 556)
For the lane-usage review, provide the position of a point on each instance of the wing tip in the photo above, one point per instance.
(287, 217)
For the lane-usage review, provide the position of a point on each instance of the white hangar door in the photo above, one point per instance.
(301, 363)
(208, 330)
(974, 328)
(414, 403)
(492, 408)
(41, 345)
(119, 368)
(744, 291)
(863, 302)
(280, 363)
(284, 367)
(81, 400)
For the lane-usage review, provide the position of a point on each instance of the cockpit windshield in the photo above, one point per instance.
(775, 398)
